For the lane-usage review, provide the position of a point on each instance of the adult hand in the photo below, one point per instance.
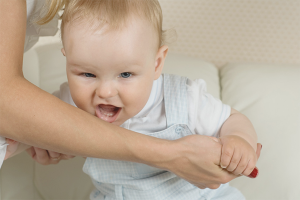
(46, 157)
(197, 160)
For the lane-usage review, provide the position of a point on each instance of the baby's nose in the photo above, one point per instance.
(106, 90)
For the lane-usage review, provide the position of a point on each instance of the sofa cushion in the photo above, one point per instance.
(194, 68)
(269, 95)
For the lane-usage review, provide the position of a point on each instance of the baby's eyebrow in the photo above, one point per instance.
(132, 66)
(82, 65)
(82, 68)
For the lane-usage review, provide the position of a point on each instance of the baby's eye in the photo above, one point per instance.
(125, 74)
(89, 75)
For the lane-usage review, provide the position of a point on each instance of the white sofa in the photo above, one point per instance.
(268, 94)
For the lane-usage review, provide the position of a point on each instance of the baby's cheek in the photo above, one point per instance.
(85, 107)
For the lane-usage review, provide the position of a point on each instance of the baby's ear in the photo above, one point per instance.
(160, 60)
(63, 51)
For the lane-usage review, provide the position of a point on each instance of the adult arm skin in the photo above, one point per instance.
(34, 117)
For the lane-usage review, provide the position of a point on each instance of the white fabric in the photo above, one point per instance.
(206, 113)
(3, 146)
(33, 30)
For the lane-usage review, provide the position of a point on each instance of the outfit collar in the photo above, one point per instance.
(156, 96)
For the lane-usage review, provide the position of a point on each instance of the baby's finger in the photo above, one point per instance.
(10, 141)
(54, 155)
(43, 157)
(31, 152)
(241, 166)
(250, 167)
(235, 160)
(66, 157)
(226, 156)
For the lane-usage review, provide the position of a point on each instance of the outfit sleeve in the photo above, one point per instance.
(206, 113)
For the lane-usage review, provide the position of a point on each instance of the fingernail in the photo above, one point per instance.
(223, 166)
(254, 173)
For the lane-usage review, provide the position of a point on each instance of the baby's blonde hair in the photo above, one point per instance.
(115, 12)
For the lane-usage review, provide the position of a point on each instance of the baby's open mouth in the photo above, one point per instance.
(107, 113)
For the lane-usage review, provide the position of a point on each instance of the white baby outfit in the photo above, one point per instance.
(33, 32)
(177, 107)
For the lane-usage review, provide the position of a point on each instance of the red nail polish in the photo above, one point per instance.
(254, 173)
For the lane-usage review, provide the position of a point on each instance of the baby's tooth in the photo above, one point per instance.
(108, 114)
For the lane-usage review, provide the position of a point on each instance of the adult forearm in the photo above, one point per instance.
(40, 119)
(34, 117)
(238, 124)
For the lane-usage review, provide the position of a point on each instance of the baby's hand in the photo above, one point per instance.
(11, 148)
(47, 157)
(238, 156)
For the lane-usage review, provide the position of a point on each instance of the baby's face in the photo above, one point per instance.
(111, 72)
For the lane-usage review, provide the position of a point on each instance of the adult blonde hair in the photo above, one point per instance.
(114, 12)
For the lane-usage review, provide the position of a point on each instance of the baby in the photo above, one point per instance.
(115, 55)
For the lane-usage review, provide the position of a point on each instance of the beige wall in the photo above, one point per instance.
(222, 31)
